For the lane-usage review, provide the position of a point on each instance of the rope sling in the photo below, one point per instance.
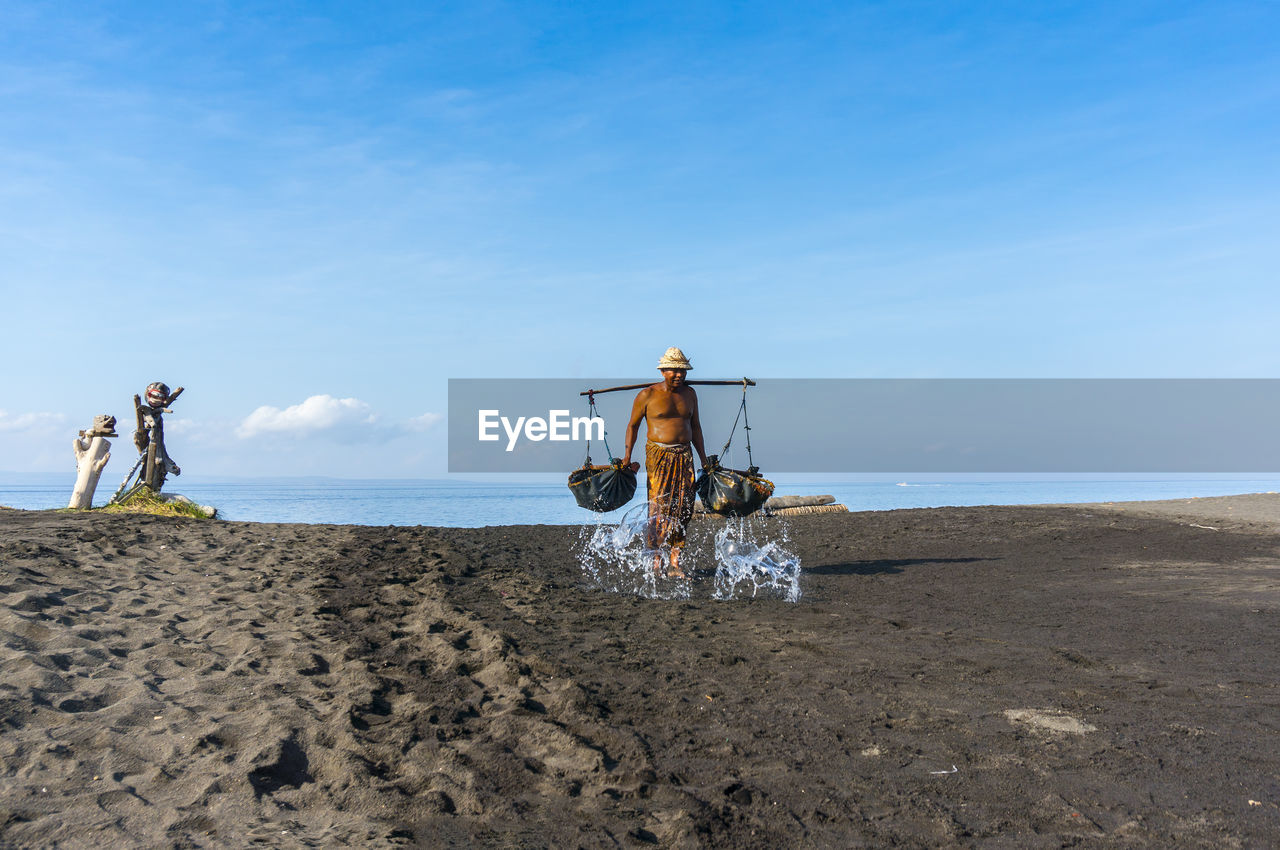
(593, 413)
(601, 488)
(746, 426)
(734, 492)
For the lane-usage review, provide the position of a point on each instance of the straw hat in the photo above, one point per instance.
(674, 359)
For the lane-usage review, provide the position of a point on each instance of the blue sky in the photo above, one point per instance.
(312, 215)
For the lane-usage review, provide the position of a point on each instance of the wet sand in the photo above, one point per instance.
(995, 677)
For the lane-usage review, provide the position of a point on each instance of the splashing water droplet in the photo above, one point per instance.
(750, 562)
(616, 558)
(742, 562)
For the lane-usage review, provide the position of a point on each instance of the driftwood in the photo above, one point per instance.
(778, 503)
(149, 436)
(797, 501)
(92, 453)
(794, 506)
(209, 511)
(148, 439)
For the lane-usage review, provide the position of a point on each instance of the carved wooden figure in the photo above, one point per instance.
(92, 453)
(149, 436)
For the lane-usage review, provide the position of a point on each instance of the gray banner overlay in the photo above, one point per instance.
(894, 425)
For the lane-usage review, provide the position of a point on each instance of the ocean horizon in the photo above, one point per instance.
(476, 503)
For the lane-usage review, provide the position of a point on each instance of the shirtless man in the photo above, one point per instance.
(671, 408)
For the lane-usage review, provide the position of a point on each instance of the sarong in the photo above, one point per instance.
(669, 469)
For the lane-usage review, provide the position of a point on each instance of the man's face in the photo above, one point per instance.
(674, 377)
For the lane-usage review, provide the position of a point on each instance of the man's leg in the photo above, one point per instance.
(653, 530)
(681, 506)
(675, 571)
(670, 481)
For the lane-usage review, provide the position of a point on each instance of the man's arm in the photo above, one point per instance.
(695, 423)
(633, 426)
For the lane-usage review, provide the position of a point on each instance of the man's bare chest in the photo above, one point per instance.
(669, 407)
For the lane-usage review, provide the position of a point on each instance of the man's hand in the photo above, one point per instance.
(634, 465)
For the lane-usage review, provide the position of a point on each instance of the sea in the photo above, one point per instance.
(470, 503)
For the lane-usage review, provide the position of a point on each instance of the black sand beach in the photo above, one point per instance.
(996, 677)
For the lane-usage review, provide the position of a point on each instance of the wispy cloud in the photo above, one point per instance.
(16, 422)
(424, 422)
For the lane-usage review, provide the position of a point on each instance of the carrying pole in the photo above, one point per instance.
(741, 382)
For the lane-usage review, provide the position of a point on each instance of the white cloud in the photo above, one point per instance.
(319, 413)
(344, 420)
(30, 421)
(424, 422)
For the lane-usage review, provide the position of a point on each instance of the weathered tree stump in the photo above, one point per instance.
(92, 453)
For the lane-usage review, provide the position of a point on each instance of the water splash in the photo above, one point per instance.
(616, 559)
(742, 562)
(748, 561)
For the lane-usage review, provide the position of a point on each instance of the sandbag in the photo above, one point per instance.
(602, 488)
(732, 492)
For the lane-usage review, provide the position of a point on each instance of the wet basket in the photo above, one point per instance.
(603, 488)
(732, 492)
